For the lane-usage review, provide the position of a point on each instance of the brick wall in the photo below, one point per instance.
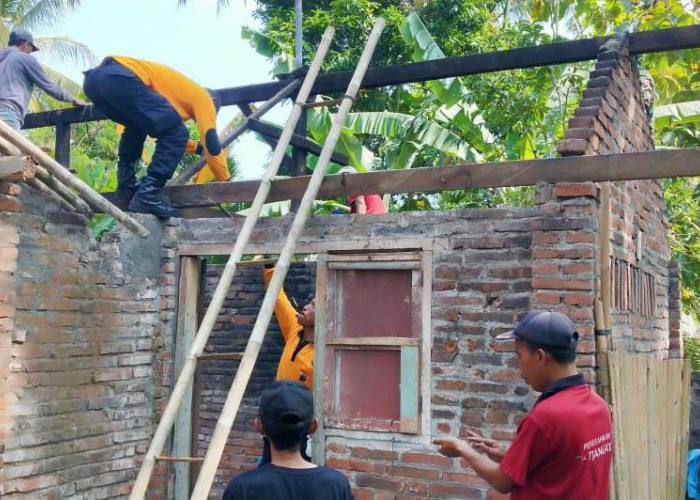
(483, 281)
(613, 118)
(77, 319)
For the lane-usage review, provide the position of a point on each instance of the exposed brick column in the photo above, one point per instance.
(614, 117)
(8, 335)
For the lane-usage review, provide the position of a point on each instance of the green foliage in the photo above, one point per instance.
(691, 350)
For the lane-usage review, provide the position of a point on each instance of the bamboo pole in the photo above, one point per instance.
(43, 180)
(141, 484)
(62, 174)
(602, 305)
(198, 164)
(50, 193)
(63, 191)
(245, 369)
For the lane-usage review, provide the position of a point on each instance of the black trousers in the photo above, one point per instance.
(125, 99)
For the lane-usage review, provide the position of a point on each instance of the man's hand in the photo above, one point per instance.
(493, 449)
(452, 447)
(78, 102)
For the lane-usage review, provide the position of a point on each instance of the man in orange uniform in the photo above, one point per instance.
(153, 99)
(297, 361)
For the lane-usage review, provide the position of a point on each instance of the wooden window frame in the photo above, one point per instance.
(414, 425)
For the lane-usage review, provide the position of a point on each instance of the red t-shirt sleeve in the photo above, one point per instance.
(528, 450)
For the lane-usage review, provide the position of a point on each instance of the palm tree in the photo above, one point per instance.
(33, 14)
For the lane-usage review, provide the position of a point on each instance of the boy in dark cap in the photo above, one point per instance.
(563, 448)
(286, 417)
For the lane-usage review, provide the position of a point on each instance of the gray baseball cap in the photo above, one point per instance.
(19, 36)
(547, 328)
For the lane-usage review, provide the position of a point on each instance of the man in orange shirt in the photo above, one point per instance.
(153, 99)
(297, 361)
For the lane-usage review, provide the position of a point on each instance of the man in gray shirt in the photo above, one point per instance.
(19, 72)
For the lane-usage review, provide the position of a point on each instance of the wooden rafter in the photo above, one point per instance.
(527, 57)
(619, 167)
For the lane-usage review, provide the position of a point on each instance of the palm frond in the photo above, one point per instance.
(68, 50)
(33, 13)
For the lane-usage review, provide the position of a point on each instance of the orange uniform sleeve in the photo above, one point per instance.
(285, 312)
(205, 116)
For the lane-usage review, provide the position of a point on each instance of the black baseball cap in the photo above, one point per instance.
(545, 328)
(286, 406)
(19, 36)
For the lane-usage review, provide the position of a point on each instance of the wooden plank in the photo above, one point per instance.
(410, 369)
(527, 57)
(17, 168)
(318, 443)
(298, 141)
(685, 416)
(654, 427)
(184, 460)
(628, 166)
(62, 149)
(397, 265)
(374, 342)
(188, 294)
(220, 356)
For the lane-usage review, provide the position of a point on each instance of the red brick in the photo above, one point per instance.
(424, 458)
(451, 385)
(547, 298)
(343, 464)
(337, 448)
(538, 268)
(452, 491)
(413, 472)
(562, 284)
(363, 494)
(575, 189)
(545, 238)
(579, 237)
(578, 299)
(377, 454)
(463, 477)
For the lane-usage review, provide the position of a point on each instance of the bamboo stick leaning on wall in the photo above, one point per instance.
(190, 365)
(601, 309)
(62, 174)
(245, 369)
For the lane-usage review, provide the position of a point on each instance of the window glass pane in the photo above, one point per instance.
(376, 303)
(370, 384)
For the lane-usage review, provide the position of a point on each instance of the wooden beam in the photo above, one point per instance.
(62, 149)
(641, 42)
(620, 167)
(297, 140)
(17, 168)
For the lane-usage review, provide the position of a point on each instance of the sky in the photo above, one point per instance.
(194, 40)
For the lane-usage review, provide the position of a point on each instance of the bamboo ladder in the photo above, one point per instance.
(225, 422)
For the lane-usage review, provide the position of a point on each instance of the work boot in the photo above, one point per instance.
(149, 199)
(126, 183)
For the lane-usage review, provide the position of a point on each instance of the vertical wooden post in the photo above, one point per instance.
(188, 294)
(299, 155)
(62, 149)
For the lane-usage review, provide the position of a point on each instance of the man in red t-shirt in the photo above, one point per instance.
(563, 448)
